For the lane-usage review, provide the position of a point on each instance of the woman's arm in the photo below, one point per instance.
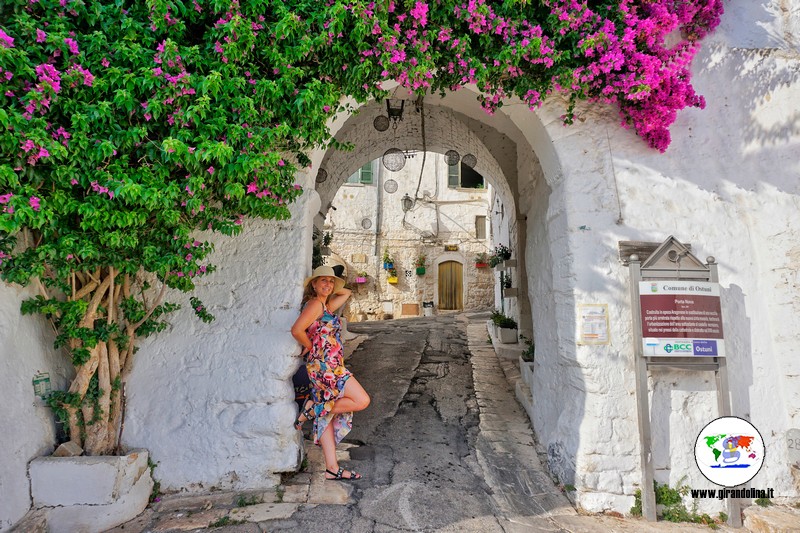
(311, 312)
(338, 299)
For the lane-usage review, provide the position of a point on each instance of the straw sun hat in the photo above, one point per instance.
(325, 270)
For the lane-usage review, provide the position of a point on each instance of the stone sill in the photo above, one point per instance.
(506, 265)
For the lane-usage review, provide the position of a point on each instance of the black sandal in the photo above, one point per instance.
(338, 475)
(308, 413)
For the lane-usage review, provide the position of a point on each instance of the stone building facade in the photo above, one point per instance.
(447, 226)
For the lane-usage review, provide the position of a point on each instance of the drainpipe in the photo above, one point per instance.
(378, 209)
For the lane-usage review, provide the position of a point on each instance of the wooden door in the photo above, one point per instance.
(451, 286)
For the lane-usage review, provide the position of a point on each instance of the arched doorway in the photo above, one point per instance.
(451, 285)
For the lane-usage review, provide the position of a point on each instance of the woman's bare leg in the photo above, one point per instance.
(328, 443)
(355, 398)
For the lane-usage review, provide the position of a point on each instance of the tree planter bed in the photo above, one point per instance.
(90, 493)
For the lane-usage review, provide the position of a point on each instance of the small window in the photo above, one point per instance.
(453, 176)
(462, 176)
(470, 179)
(362, 175)
(480, 227)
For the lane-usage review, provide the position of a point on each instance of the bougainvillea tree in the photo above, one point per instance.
(128, 128)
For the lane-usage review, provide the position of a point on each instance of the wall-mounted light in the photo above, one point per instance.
(407, 201)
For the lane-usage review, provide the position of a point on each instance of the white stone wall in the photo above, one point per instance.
(214, 403)
(729, 186)
(26, 349)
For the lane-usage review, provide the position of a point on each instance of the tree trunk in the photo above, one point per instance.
(95, 424)
(98, 414)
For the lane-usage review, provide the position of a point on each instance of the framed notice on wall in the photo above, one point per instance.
(593, 324)
(681, 318)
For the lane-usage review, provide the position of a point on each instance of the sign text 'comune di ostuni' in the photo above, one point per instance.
(681, 318)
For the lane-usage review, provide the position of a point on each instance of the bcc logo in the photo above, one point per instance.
(678, 347)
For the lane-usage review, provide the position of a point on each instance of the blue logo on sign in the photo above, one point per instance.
(668, 348)
(705, 347)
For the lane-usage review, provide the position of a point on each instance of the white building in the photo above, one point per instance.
(431, 219)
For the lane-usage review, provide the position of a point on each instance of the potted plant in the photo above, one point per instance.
(530, 350)
(481, 260)
(392, 272)
(325, 248)
(420, 264)
(502, 252)
(506, 327)
(507, 330)
(361, 277)
(388, 262)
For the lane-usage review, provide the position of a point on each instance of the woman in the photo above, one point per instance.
(335, 393)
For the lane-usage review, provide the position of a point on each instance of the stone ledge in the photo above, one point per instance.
(771, 519)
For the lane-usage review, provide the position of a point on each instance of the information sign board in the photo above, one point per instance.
(681, 319)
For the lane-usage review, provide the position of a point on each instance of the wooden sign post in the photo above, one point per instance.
(677, 323)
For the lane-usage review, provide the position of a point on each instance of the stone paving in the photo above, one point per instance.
(519, 496)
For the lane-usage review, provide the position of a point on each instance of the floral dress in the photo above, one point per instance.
(326, 371)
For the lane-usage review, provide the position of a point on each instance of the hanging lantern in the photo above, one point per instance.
(394, 108)
(407, 201)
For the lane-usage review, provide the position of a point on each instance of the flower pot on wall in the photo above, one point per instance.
(361, 279)
(508, 335)
(392, 280)
(387, 266)
(481, 265)
(420, 271)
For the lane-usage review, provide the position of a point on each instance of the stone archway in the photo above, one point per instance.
(452, 123)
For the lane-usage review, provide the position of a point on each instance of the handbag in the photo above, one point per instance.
(302, 386)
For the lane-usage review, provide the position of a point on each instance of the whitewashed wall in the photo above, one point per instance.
(214, 402)
(729, 186)
(26, 349)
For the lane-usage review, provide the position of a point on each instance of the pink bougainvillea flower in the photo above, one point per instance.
(6, 40)
(28, 145)
(210, 170)
(420, 13)
(5, 198)
(281, 162)
(35, 203)
(72, 44)
(40, 36)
